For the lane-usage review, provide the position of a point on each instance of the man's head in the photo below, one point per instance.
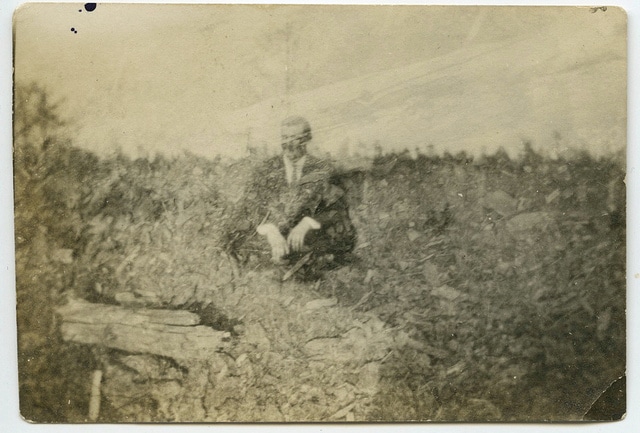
(296, 133)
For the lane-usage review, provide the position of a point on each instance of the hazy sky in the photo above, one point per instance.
(211, 79)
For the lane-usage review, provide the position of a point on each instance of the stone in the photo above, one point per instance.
(500, 202)
(320, 303)
(368, 378)
(446, 292)
(413, 234)
(528, 221)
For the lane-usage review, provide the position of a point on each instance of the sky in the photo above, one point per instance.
(218, 79)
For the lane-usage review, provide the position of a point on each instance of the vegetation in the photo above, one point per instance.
(501, 280)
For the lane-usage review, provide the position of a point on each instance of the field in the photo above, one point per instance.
(484, 288)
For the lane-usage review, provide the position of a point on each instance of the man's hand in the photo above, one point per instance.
(295, 241)
(278, 243)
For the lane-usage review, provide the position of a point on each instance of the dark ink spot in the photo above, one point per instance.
(73, 29)
(601, 8)
(90, 7)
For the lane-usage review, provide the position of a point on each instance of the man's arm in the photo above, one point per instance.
(315, 194)
(279, 245)
(295, 240)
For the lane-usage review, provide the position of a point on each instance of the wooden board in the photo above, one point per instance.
(172, 333)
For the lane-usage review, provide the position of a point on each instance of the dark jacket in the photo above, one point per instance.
(269, 199)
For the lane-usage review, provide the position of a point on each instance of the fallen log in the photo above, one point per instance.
(172, 333)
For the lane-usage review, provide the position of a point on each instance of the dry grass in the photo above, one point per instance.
(480, 290)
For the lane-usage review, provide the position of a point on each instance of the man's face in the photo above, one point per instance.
(294, 141)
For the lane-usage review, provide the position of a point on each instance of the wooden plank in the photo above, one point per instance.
(177, 342)
(137, 331)
(78, 310)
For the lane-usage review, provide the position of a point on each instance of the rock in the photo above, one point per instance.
(255, 334)
(528, 221)
(342, 413)
(403, 264)
(362, 245)
(146, 296)
(500, 202)
(353, 347)
(125, 298)
(482, 410)
(551, 197)
(241, 359)
(503, 267)
(368, 378)
(371, 274)
(373, 325)
(63, 255)
(456, 368)
(446, 292)
(317, 366)
(431, 273)
(413, 234)
(329, 349)
(344, 393)
(320, 303)
(151, 367)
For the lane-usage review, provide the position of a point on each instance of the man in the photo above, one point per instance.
(294, 206)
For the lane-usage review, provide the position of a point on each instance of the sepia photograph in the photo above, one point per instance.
(320, 213)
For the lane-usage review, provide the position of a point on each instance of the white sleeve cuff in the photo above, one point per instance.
(313, 224)
(264, 229)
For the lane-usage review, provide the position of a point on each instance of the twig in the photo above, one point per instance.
(430, 256)
(297, 266)
(343, 412)
(265, 217)
(385, 357)
(235, 270)
(362, 300)
(94, 402)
